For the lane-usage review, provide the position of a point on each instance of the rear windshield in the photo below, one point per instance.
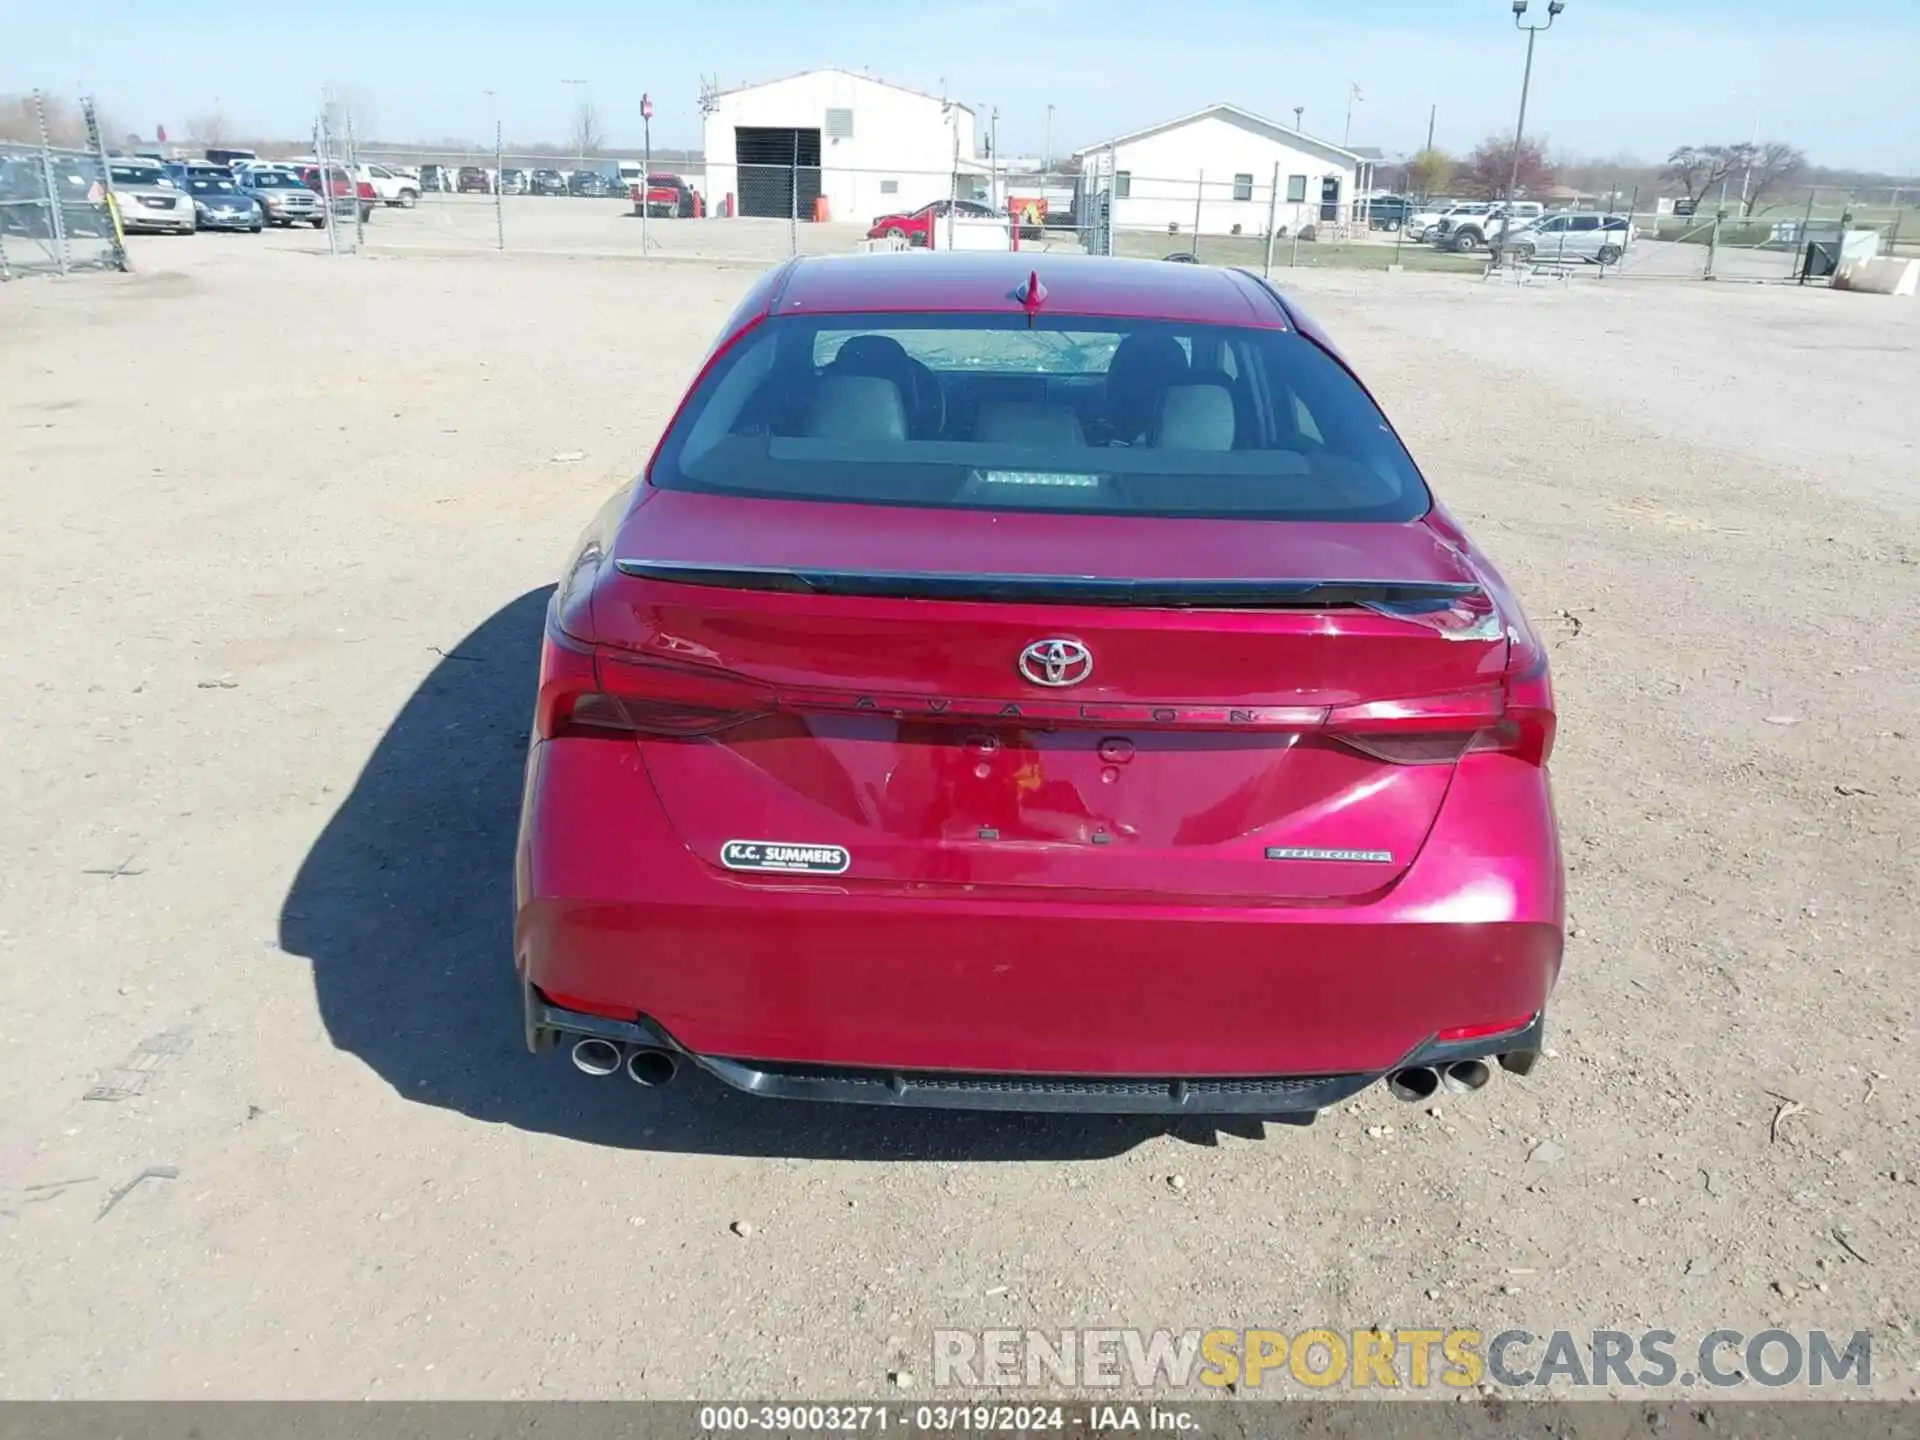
(1075, 414)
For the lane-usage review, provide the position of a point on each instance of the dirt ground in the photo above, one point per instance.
(277, 532)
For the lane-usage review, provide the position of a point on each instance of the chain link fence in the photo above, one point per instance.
(56, 213)
(454, 200)
(1798, 239)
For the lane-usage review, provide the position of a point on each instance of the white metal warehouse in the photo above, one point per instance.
(1226, 158)
(864, 146)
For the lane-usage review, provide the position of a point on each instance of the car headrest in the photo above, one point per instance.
(1195, 417)
(871, 355)
(856, 408)
(1143, 365)
(1026, 422)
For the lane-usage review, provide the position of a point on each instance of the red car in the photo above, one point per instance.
(1045, 690)
(923, 227)
(666, 196)
(344, 191)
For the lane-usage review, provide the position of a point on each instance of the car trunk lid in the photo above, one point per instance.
(1226, 740)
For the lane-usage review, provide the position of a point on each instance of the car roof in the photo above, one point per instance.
(985, 281)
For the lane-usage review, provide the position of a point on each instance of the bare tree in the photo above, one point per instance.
(587, 137)
(1696, 169)
(207, 127)
(1772, 164)
(66, 124)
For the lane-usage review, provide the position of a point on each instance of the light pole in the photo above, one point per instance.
(1047, 165)
(1554, 7)
(579, 130)
(1298, 111)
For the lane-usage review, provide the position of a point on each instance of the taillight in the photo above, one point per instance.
(1515, 719)
(1423, 730)
(1530, 711)
(591, 691)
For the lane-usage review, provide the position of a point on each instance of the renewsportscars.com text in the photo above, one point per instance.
(1457, 1359)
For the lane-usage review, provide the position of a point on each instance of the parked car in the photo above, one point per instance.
(473, 180)
(594, 184)
(148, 200)
(547, 182)
(1389, 212)
(1468, 231)
(513, 182)
(390, 187)
(436, 179)
(229, 159)
(183, 171)
(1172, 662)
(1597, 239)
(283, 198)
(668, 195)
(348, 197)
(219, 204)
(918, 227)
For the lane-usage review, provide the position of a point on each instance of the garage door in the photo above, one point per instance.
(767, 157)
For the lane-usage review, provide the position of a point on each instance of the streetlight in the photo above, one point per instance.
(1298, 111)
(1554, 7)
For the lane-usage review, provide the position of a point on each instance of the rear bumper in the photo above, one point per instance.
(1267, 1095)
(617, 920)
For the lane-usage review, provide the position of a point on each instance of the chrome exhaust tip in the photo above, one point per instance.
(1463, 1077)
(652, 1068)
(596, 1057)
(1413, 1084)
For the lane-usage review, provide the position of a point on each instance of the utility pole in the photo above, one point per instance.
(1047, 164)
(1433, 114)
(993, 166)
(1353, 94)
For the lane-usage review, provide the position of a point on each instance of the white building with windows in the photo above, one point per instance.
(864, 146)
(1217, 166)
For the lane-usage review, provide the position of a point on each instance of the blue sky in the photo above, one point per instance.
(1613, 76)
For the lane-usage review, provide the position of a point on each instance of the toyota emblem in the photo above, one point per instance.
(1056, 663)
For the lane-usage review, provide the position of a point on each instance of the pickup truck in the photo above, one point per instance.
(391, 187)
(346, 195)
(1468, 227)
(1390, 212)
(665, 195)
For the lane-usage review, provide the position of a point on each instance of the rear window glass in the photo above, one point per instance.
(1076, 414)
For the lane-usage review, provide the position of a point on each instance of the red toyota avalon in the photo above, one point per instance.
(1037, 686)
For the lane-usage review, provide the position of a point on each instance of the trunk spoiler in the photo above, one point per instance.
(1392, 597)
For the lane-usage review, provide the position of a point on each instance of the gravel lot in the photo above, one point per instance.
(277, 532)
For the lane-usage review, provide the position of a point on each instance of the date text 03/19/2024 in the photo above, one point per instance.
(939, 1419)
